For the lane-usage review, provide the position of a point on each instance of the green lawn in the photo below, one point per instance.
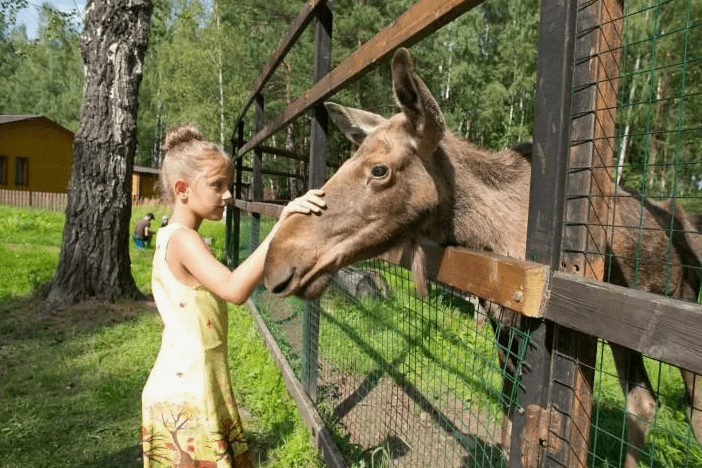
(70, 383)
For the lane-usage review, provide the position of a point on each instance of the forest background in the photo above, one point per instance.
(203, 55)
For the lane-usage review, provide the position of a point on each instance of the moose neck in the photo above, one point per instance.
(483, 198)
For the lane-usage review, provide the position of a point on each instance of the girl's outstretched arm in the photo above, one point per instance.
(234, 286)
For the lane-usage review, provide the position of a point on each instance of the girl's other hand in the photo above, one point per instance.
(310, 202)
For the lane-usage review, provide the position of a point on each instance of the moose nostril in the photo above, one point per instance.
(281, 280)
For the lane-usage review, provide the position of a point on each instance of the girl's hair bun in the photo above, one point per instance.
(179, 135)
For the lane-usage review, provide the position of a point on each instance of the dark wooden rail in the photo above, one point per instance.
(421, 19)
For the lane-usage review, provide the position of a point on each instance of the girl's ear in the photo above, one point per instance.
(180, 188)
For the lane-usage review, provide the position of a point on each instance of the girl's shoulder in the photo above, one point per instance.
(181, 235)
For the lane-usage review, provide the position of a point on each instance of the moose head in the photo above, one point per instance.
(376, 199)
(410, 179)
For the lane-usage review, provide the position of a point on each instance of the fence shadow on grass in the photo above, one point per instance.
(129, 457)
(479, 452)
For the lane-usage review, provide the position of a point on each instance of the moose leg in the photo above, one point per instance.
(693, 398)
(640, 401)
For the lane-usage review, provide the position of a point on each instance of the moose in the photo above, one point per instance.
(412, 179)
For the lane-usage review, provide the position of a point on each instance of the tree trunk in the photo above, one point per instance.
(94, 258)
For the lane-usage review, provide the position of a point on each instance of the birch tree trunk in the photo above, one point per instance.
(94, 258)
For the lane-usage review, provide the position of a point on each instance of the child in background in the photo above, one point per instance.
(189, 415)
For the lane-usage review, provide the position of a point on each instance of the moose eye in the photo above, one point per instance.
(379, 171)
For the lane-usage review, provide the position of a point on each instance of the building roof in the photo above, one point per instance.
(145, 170)
(10, 118)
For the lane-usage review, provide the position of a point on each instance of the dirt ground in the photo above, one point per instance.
(392, 423)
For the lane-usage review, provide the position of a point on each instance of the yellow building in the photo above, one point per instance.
(144, 182)
(35, 154)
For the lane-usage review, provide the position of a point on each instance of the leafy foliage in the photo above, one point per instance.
(43, 76)
(203, 56)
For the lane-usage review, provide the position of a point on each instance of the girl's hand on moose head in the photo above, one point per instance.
(309, 203)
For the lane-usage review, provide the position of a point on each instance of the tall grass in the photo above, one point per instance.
(70, 383)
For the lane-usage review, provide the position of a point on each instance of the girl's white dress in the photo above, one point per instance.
(189, 414)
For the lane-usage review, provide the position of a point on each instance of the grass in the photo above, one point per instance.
(70, 383)
(438, 347)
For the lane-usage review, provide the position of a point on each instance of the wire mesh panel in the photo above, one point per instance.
(670, 441)
(659, 141)
(400, 380)
(654, 145)
(633, 203)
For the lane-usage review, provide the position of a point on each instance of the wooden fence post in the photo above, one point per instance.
(257, 175)
(531, 422)
(317, 165)
(563, 415)
(233, 221)
(588, 211)
(593, 137)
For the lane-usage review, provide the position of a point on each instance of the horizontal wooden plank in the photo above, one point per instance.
(274, 173)
(421, 19)
(296, 29)
(516, 284)
(282, 152)
(266, 209)
(665, 329)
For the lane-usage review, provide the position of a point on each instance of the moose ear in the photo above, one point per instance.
(356, 124)
(416, 101)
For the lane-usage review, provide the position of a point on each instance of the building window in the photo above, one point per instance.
(21, 172)
(3, 169)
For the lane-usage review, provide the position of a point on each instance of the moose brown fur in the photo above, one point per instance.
(412, 179)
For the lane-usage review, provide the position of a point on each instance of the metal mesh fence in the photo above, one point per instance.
(670, 441)
(658, 152)
(645, 233)
(401, 380)
(651, 150)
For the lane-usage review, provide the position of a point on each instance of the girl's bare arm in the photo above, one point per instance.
(190, 251)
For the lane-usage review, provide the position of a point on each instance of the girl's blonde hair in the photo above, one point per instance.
(188, 156)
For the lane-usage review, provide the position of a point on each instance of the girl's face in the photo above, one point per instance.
(210, 192)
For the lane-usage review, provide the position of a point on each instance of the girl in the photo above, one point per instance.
(190, 418)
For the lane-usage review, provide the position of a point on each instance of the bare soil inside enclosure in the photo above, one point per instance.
(393, 422)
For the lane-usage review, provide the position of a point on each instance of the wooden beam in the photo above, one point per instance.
(307, 14)
(516, 284)
(532, 430)
(273, 173)
(282, 153)
(662, 328)
(266, 209)
(423, 18)
(593, 136)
